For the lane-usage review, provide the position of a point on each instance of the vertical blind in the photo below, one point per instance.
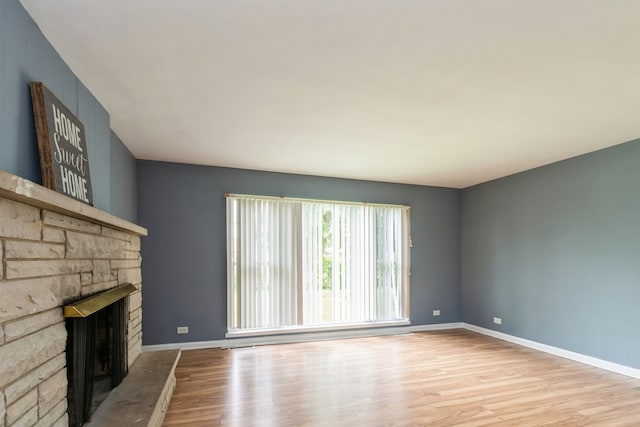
(305, 263)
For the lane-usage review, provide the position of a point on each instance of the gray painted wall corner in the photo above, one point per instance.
(124, 176)
(554, 252)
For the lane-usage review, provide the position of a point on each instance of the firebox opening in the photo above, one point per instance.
(96, 355)
(103, 360)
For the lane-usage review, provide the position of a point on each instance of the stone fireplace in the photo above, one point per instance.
(55, 251)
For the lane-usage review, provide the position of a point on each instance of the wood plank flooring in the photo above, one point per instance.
(443, 378)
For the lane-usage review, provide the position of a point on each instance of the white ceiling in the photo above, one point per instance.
(435, 92)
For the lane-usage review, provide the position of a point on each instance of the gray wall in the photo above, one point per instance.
(555, 252)
(124, 174)
(27, 56)
(184, 256)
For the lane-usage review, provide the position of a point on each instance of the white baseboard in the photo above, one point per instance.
(301, 337)
(358, 333)
(587, 360)
(193, 345)
(436, 327)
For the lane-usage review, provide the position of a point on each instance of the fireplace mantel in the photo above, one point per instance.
(55, 250)
(22, 190)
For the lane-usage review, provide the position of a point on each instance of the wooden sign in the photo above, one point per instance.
(63, 149)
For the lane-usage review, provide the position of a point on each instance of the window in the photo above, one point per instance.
(297, 263)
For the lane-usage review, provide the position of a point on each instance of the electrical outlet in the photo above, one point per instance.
(183, 329)
(497, 321)
(436, 312)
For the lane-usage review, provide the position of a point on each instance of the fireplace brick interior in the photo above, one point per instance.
(53, 252)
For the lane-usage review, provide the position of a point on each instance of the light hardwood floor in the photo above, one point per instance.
(444, 378)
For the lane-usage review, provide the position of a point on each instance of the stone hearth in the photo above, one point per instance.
(54, 250)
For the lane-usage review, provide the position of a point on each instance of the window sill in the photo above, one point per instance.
(318, 328)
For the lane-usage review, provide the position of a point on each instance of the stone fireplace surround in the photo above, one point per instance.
(54, 249)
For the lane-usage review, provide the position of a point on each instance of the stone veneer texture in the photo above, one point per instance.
(48, 259)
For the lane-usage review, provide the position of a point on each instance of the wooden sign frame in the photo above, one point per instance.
(62, 145)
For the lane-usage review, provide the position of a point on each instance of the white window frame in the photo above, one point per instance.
(295, 264)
